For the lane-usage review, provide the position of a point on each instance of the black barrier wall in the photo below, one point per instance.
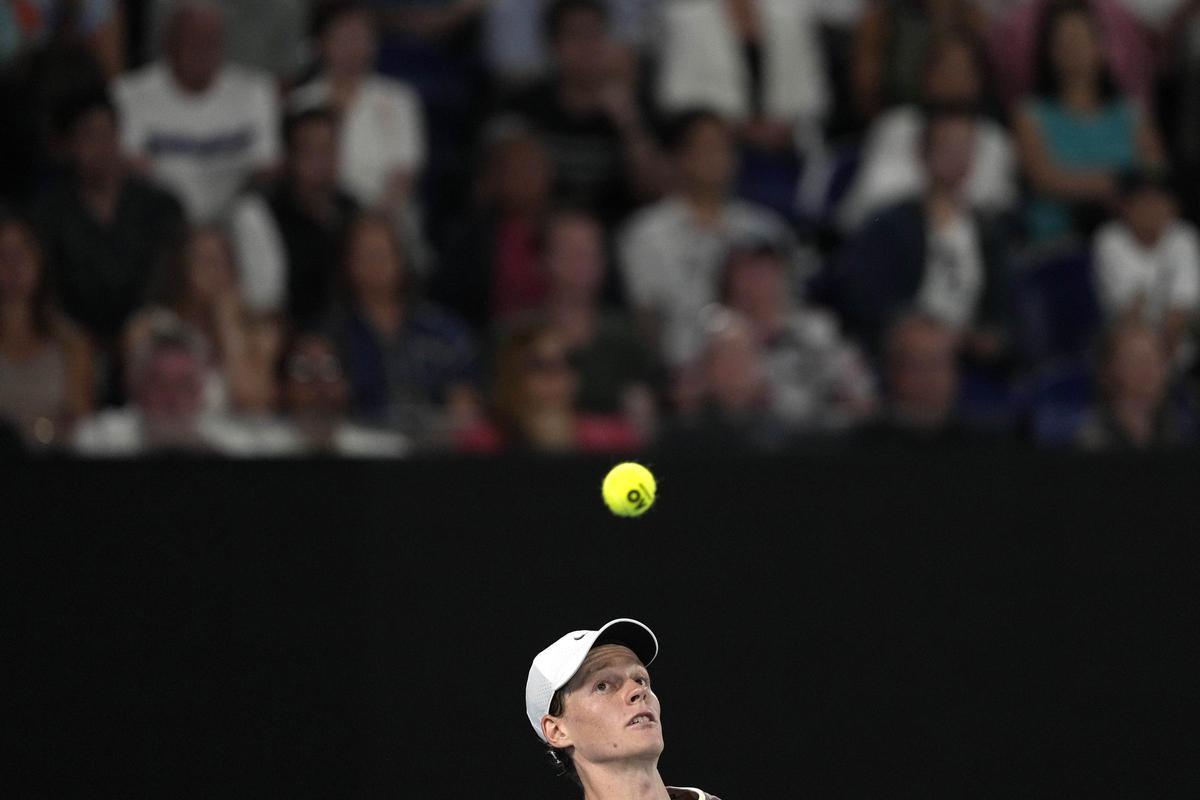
(1012, 626)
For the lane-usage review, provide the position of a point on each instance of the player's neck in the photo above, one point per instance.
(622, 781)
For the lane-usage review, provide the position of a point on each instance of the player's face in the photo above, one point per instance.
(609, 711)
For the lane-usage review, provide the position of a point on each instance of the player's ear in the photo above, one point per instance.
(555, 731)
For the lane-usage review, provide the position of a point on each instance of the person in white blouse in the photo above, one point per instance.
(891, 167)
(382, 137)
(1147, 263)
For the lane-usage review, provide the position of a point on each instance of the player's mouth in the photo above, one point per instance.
(641, 720)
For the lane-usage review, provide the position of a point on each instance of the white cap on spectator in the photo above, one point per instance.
(557, 664)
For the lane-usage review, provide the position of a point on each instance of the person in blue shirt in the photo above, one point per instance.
(1076, 133)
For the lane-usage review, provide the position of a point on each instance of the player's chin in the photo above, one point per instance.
(649, 733)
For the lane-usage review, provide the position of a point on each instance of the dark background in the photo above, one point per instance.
(1008, 625)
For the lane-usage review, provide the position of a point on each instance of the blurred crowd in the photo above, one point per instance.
(289, 227)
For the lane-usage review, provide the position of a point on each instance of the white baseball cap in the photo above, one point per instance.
(557, 664)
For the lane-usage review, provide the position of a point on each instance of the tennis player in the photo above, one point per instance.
(588, 697)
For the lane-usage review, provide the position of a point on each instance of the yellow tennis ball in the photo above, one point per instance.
(629, 489)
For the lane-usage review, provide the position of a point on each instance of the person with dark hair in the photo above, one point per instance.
(535, 402)
(931, 253)
(289, 238)
(106, 231)
(412, 366)
(492, 268)
(590, 114)
(199, 124)
(45, 365)
(1135, 410)
(381, 136)
(616, 369)
(315, 400)
(1129, 48)
(1076, 134)
(670, 253)
(200, 289)
(1147, 263)
(588, 697)
(890, 43)
(921, 388)
(891, 167)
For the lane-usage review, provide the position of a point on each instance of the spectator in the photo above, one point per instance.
(1077, 133)
(891, 167)
(45, 366)
(264, 34)
(165, 381)
(733, 410)
(514, 35)
(1178, 105)
(1014, 45)
(670, 253)
(921, 381)
(382, 130)
(94, 24)
(893, 37)
(931, 253)
(290, 238)
(1135, 411)
(816, 379)
(201, 126)
(316, 401)
(615, 369)
(534, 403)
(493, 267)
(166, 364)
(106, 231)
(1148, 263)
(590, 115)
(412, 366)
(759, 63)
(200, 290)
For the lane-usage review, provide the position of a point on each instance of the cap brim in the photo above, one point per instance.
(632, 634)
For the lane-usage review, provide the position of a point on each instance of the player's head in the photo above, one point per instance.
(588, 697)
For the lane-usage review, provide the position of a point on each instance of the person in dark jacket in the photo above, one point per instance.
(931, 253)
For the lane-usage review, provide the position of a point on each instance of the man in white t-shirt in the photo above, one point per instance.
(588, 697)
(671, 253)
(1147, 262)
(200, 126)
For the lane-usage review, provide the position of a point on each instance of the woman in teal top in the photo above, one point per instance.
(1077, 134)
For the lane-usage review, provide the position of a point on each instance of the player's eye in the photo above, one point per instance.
(643, 680)
(602, 686)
